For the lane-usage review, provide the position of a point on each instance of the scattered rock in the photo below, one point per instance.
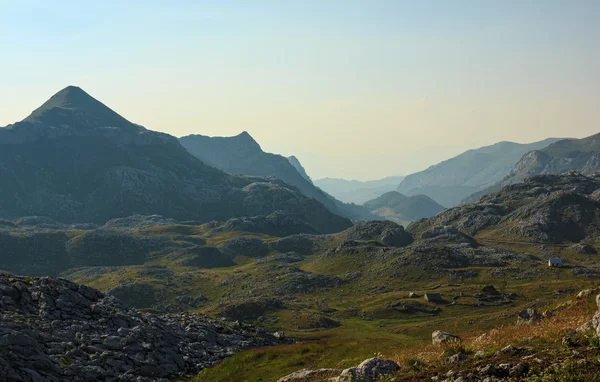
(527, 316)
(440, 337)
(368, 371)
(456, 357)
(310, 375)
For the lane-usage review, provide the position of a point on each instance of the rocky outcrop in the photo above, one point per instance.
(55, 330)
(370, 370)
(386, 232)
(302, 244)
(276, 224)
(543, 209)
(441, 337)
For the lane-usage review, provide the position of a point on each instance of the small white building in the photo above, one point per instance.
(555, 262)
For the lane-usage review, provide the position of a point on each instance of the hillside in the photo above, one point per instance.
(241, 154)
(75, 160)
(449, 182)
(400, 208)
(355, 191)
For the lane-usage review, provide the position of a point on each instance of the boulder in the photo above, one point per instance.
(527, 316)
(440, 337)
(310, 375)
(490, 290)
(587, 293)
(369, 370)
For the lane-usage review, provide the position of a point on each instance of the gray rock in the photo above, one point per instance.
(310, 375)
(440, 337)
(369, 370)
(527, 316)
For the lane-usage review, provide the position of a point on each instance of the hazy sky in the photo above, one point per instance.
(355, 89)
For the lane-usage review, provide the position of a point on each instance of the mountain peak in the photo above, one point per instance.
(73, 107)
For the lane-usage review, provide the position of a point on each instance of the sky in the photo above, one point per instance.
(355, 89)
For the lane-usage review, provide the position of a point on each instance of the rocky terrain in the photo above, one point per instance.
(581, 155)
(451, 181)
(543, 209)
(74, 160)
(55, 330)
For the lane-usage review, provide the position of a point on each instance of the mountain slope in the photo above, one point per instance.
(581, 155)
(570, 154)
(354, 191)
(451, 181)
(74, 159)
(543, 209)
(395, 206)
(298, 166)
(241, 154)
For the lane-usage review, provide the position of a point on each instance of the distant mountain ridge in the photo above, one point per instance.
(403, 209)
(450, 181)
(355, 191)
(241, 154)
(75, 160)
(582, 155)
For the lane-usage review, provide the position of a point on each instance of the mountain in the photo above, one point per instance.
(582, 155)
(569, 154)
(449, 182)
(354, 191)
(298, 166)
(543, 209)
(400, 208)
(241, 154)
(76, 160)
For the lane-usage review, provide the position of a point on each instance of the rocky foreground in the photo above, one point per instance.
(56, 330)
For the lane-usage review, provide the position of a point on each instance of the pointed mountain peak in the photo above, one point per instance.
(73, 107)
(246, 139)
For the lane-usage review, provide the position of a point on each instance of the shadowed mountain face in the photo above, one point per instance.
(400, 208)
(451, 181)
(241, 154)
(355, 191)
(76, 160)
